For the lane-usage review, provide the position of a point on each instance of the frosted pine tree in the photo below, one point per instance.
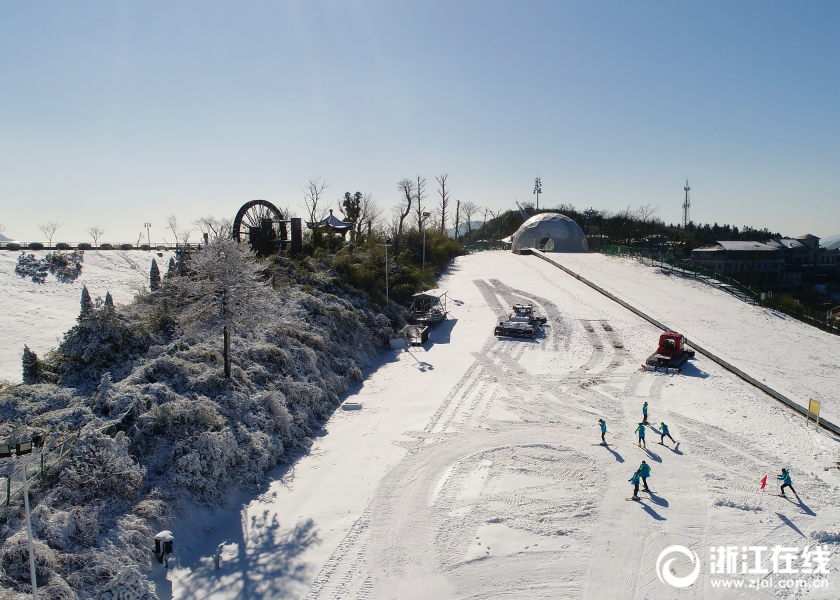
(172, 270)
(109, 302)
(224, 289)
(30, 366)
(154, 276)
(87, 303)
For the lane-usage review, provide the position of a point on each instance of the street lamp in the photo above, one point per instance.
(426, 215)
(148, 236)
(538, 190)
(387, 244)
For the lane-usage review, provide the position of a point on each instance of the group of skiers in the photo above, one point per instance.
(643, 472)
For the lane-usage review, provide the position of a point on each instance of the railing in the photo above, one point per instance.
(75, 246)
(34, 467)
(727, 284)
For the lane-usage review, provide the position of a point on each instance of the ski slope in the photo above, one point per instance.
(38, 314)
(473, 470)
(794, 358)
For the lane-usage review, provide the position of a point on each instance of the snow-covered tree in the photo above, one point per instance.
(30, 366)
(223, 289)
(154, 276)
(86, 303)
(109, 302)
(172, 270)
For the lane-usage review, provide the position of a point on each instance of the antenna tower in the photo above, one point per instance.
(686, 205)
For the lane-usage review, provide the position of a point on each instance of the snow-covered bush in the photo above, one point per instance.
(153, 370)
(31, 370)
(65, 266)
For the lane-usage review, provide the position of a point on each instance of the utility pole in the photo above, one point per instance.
(148, 235)
(29, 531)
(538, 190)
(426, 215)
(686, 206)
(387, 245)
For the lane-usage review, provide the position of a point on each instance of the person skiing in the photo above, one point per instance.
(635, 481)
(785, 479)
(603, 430)
(663, 431)
(644, 413)
(644, 472)
(641, 431)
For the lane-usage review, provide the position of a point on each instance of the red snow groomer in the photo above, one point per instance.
(671, 353)
(522, 322)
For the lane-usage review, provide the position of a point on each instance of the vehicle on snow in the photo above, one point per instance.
(671, 353)
(522, 322)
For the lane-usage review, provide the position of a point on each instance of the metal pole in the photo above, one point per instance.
(29, 533)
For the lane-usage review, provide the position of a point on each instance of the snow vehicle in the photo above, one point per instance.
(671, 353)
(522, 322)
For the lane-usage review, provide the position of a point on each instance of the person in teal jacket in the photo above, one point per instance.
(641, 431)
(644, 472)
(644, 413)
(786, 482)
(663, 431)
(603, 430)
(635, 481)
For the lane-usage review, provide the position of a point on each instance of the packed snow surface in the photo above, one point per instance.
(473, 468)
(38, 314)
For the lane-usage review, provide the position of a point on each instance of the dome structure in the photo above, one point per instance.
(550, 232)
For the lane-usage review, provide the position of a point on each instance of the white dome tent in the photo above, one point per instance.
(550, 232)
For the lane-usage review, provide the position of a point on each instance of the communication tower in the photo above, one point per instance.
(686, 205)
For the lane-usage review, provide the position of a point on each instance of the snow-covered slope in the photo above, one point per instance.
(473, 470)
(796, 359)
(38, 314)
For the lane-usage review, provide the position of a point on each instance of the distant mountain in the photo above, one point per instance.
(463, 229)
(831, 242)
(3, 238)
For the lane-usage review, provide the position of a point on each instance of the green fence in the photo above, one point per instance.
(732, 286)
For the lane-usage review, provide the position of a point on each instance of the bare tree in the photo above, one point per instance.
(180, 235)
(457, 219)
(646, 215)
(443, 208)
(469, 208)
(312, 198)
(420, 195)
(370, 212)
(48, 229)
(406, 186)
(139, 237)
(495, 218)
(2, 228)
(95, 232)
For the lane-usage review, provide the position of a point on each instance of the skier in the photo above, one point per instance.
(641, 431)
(644, 414)
(785, 479)
(635, 481)
(663, 431)
(644, 472)
(603, 430)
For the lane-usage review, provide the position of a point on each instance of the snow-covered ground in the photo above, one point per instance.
(473, 469)
(38, 314)
(794, 358)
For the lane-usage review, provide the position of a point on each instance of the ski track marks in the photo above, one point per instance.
(492, 479)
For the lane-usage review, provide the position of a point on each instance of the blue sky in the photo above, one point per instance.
(116, 113)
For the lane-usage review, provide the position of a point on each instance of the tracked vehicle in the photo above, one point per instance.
(522, 322)
(672, 353)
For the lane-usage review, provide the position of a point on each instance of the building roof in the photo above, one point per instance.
(430, 294)
(737, 245)
(334, 222)
(785, 243)
(807, 236)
